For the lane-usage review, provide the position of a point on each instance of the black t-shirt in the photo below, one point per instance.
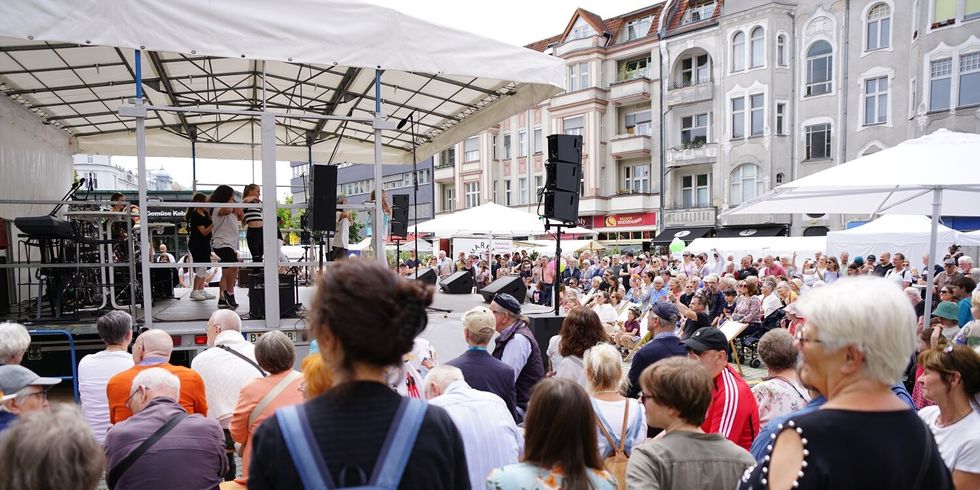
(691, 326)
(748, 271)
(881, 270)
(350, 423)
(198, 219)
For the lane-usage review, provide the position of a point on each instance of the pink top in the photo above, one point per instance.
(252, 393)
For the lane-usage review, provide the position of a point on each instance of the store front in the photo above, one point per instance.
(624, 231)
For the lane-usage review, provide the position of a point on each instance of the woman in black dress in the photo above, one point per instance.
(199, 243)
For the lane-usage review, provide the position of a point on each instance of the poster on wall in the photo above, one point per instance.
(480, 246)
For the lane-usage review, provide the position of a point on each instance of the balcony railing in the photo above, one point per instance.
(693, 153)
(628, 146)
(627, 91)
(688, 93)
(681, 216)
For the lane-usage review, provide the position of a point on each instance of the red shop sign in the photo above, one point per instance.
(635, 219)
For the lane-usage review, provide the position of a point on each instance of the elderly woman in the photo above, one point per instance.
(856, 342)
(785, 293)
(580, 331)
(952, 380)
(600, 304)
(780, 392)
(14, 341)
(748, 306)
(770, 300)
(260, 397)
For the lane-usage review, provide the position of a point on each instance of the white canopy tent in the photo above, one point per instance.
(934, 175)
(759, 246)
(548, 246)
(491, 220)
(907, 234)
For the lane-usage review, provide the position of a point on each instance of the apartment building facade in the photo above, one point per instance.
(718, 102)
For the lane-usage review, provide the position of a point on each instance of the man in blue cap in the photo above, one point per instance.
(516, 347)
(661, 323)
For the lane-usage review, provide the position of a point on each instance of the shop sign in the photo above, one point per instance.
(635, 219)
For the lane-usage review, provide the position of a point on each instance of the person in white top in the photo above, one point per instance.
(490, 437)
(226, 366)
(600, 304)
(605, 377)
(341, 239)
(224, 242)
(94, 370)
(951, 378)
(899, 273)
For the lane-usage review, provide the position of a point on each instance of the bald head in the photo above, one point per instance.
(221, 321)
(153, 343)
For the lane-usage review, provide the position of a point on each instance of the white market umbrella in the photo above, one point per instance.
(933, 175)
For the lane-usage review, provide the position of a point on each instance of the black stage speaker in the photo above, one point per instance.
(561, 206)
(512, 285)
(458, 283)
(544, 328)
(565, 148)
(428, 276)
(563, 176)
(288, 296)
(399, 215)
(323, 198)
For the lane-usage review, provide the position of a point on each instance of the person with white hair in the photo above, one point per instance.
(490, 436)
(14, 341)
(965, 263)
(191, 456)
(21, 392)
(226, 367)
(856, 341)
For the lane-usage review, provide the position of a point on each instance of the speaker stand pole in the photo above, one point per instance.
(398, 253)
(320, 271)
(557, 280)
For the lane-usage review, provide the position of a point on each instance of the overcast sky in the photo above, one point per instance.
(517, 22)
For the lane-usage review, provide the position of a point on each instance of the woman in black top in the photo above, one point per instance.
(857, 338)
(360, 333)
(199, 243)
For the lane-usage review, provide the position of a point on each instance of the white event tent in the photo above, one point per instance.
(759, 246)
(907, 234)
(490, 220)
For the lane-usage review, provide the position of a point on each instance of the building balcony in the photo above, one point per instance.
(630, 91)
(679, 217)
(579, 97)
(470, 167)
(445, 172)
(692, 154)
(578, 44)
(634, 203)
(689, 93)
(630, 146)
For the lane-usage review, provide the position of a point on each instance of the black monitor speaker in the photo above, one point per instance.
(545, 327)
(561, 206)
(563, 176)
(565, 148)
(288, 296)
(323, 198)
(428, 276)
(512, 285)
(399, 215)
(458, 283)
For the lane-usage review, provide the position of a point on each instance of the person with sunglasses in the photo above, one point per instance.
(21, 392)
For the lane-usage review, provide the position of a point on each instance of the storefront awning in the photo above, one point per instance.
(686, 234)
(746, 231)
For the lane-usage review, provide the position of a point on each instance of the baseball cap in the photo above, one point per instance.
(508, 303)
(665, 311)
(947, 310)
(707, 338)
(14, 377)
(479, 321)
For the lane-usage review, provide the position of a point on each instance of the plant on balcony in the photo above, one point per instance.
(692, 145)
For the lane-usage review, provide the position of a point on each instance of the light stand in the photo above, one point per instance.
(556, 281)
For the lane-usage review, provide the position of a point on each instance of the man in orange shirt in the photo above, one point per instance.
(153, 349)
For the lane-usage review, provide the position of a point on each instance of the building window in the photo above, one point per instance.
(757, 46)
(522, 143)
(943, 12)
(507, 190)
(538, 184)
(638, 123)
(779, 178)
(780, 118)
(636, 178)
(637, 28)
(879, 27)
(574, 125)
(506, 147)
(738, 51)
(694, 191)
(876, 101)
(757, 114)
(578, 76)
(698, 11)
(538, 141)
(471, 149)
(472, 194)
(746, 183)
(582, 30)
(522, 189)
(448, 198)
(694, 131)
(971, 9)
(695, 70)
(817, 141)
(819, 68)
(781, 50)
(632, 69)
(969, 79)
(493, 146)
(738, 117)
(448, 157)
(941, 75)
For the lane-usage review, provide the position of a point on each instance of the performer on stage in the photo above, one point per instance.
(225, 242)
(199, 243)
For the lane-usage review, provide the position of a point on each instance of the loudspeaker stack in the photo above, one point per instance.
(399, 215)
(323, 198)
(563, 175)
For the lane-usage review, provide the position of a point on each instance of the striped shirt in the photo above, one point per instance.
(733, 412)
(253, 214)
(490, 437)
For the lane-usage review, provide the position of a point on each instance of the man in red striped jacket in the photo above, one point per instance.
(733, 412)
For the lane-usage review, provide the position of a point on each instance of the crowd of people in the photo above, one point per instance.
(851, 372)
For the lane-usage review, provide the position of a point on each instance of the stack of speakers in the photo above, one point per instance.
(563, 174)
(399, 215)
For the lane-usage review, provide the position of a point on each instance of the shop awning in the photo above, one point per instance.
(687, 234)
(747, 231)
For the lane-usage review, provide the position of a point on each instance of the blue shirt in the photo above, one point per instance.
(764, 438)
(6, 418)
(965, 314)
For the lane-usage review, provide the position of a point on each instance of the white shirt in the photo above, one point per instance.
(94, 372)
(342, 237)
(516, 352)
(606, 312)
(899, 277)
(225, 374)
(770, 304)
(490, 437)
(554, 358)
(612, 414)
(572, 368)
(959, 444)
(225, 233)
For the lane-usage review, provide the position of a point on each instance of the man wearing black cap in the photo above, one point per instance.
(516, 347)
(661, 322)
(733, 412)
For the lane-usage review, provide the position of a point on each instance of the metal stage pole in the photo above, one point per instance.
(557, 279)
(140, 113)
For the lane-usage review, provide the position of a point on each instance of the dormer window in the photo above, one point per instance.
(581, 30)
(699, 11)
(637, 28)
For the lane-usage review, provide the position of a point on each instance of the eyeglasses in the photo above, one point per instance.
(799, 336)
(644, 397)
(137, 390)
(43, 394)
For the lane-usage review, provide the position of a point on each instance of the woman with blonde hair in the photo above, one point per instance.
(621, 421)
